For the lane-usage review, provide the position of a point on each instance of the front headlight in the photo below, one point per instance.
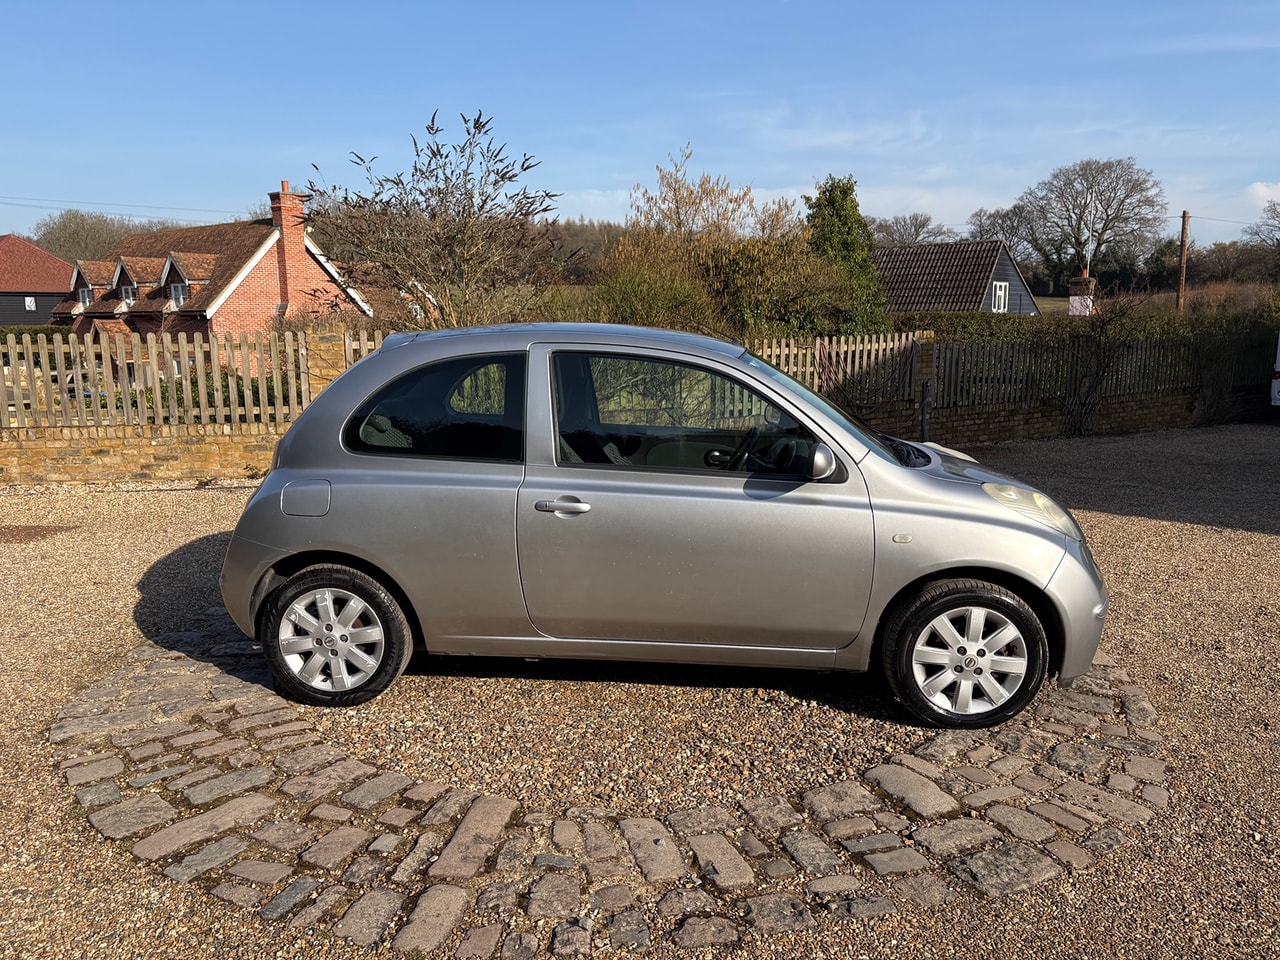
(1033, 504)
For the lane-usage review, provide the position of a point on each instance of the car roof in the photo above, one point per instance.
(572, 333)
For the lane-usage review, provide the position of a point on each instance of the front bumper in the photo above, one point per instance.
(1081, 598)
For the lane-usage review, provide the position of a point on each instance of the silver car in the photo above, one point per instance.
(582, 490)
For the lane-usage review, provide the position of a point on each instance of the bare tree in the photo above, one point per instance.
(1075, 213)
(87, 235)
(909, 229)
(455, 236)
(1266, 230)
(1005, 223)
(1232, 260)
(1265, 234)
(698, 253)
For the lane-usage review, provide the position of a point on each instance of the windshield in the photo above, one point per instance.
(899, 450)
(855, 425)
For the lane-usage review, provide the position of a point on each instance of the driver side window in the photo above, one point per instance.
(640, 412)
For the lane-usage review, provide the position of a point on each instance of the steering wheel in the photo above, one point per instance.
(739, 455)
(781, 455)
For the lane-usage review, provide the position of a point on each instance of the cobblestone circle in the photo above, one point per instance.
(188, 758)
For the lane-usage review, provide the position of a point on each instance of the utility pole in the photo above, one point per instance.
(1182, 261)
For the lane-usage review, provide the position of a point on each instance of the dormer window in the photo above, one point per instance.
(178, 293)
(86, 296)
(128, 293)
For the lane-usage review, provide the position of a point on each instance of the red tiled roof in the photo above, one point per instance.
(25, 268)
(109, 328)
(144, 271)
(196, 267)
(232, 244)
(100, 273)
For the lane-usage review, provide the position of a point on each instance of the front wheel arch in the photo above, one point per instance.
(965, 654)
(1026, 591)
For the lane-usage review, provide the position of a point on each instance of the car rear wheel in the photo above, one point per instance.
(334, 636)
(965, 653)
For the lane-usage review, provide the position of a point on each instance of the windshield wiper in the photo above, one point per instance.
(908, 454)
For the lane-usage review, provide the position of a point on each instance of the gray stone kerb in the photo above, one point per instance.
(217, 781)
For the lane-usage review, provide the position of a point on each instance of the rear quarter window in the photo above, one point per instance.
(465, 408)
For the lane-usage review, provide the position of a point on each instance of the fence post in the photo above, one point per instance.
(925, 385)
(923, 368)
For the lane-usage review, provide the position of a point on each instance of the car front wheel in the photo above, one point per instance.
(334, 636)
(965, 653)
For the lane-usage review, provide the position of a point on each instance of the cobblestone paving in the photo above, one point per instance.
(187, 757)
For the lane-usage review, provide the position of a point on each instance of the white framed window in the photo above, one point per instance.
(29, 303)
(128, 293)
(999, 297)
(86, 296)
(178, 293)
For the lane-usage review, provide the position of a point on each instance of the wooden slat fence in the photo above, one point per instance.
(975, 374)
(166, 379)
(358, 345)
(859, 371)
(967, 374)
(66, 381)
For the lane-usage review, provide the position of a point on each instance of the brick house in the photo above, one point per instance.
(32, 281)
(962, 276)
(226, 278)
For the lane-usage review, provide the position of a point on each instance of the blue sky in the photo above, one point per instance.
(196, 110)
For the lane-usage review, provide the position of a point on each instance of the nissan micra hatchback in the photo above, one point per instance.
(608, 492)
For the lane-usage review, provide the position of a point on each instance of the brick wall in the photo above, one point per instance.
(286, 281)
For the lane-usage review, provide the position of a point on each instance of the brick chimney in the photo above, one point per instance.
(1081, 290)
(291, 251)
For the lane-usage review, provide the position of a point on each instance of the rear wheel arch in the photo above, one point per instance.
(282, 570)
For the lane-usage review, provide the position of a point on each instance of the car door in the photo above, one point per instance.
(635, 527)
(436, 462)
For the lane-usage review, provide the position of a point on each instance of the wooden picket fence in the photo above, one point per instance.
(360, 344)
(69, 381)
(858, 372)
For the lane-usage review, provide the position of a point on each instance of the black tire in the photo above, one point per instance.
(990, 665)
(322, 660)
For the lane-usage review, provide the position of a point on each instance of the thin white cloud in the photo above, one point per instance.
(1261, 191)
(780, 126)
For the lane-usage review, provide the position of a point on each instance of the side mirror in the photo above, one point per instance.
(822, 463)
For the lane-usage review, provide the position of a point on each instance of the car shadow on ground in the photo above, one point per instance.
(180, 586)
(1223, 476)
(180, 608)
(862, 694)
(198, 627)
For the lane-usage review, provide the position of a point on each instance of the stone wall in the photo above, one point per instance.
(243, 451)
(120, 453)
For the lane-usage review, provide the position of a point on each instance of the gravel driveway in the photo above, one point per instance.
(1186, 526)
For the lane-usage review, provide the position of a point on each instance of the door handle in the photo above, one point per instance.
(561, 507)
